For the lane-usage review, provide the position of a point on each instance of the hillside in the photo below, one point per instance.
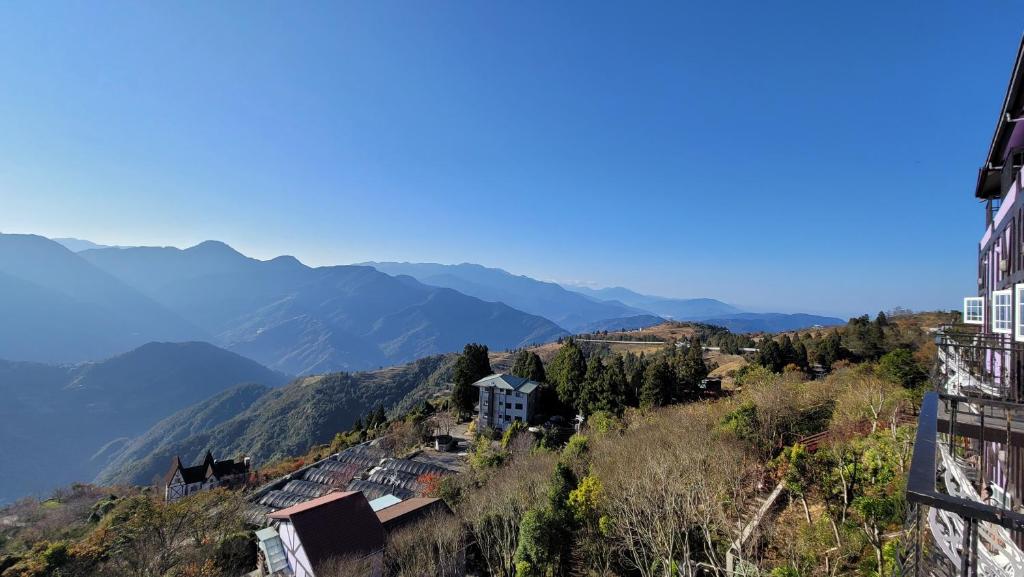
(57, 424)
(568, 309)
(278, 423)
(145, 454)
(59, 308)
(304, 320)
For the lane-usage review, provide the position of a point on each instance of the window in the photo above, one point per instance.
(974, 310)
(1019, 332)
(519, 406)
(1002, 307)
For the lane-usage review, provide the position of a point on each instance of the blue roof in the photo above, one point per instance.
(384, 502)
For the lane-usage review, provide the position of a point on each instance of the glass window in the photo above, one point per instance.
(1002, 308)
(1019, 332)
(974, 310)
(519, 406)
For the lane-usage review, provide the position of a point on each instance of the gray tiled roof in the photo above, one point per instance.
(508, 382)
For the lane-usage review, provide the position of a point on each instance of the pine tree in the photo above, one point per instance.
(520, 367)
(882, 320)
(801, 355)
(769, 355)
(787, 351)
(567, 372)
(472, 365)
(657, 385)
(690, 369)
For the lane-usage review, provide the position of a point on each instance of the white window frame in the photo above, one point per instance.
(968, 301)
(997, 297)
(1018, 333)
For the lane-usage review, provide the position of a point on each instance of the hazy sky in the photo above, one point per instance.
(815, 156)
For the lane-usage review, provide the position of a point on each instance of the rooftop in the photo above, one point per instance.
(334, 525)
(508, 382)
(409, 511)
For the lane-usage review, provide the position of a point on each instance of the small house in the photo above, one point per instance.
(181, 481)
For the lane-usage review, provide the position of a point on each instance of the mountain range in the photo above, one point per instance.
(581, 309)
(60, 424)
(195, 347)
(570, 310)
(61, 306)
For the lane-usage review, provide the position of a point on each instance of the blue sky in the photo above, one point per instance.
(813, 156)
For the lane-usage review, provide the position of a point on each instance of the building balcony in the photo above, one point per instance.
(977, 364)
(964, 489)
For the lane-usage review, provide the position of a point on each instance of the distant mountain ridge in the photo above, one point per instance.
(568, 309)
(305, 320)
(711, 311)
(61, 306)
(57, 423)
(57, 307)
(772, 322)
(78, 244)
(694, 309)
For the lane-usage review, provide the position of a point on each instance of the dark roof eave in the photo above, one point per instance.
(988, 185)
(1011, 107)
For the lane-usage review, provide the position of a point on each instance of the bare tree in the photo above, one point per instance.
(493, 512)
(432, 547)
(349, 566)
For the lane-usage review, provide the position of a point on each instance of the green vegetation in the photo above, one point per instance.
(472, 365)
(659, 486)
(128, 533)
(655, 486)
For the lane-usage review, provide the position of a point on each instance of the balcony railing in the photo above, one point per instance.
(964, 515)
(982, 365)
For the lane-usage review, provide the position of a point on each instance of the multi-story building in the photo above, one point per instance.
(965, 488)
(505, 399)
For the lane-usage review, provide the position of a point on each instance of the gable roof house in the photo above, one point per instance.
(181, 481)
(337, 525)
(505, 399)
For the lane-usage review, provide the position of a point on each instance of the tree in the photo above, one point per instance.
(493, 514)
(430, 546)
(567, 372)
(801, 355)
(770, 356)
(899, 366)
(635, 366)
(604, 387)
(656, 389)
(830, 351)
(690, 370)
(529, 366)
(473, 364)
(882, 320)
(545, 535)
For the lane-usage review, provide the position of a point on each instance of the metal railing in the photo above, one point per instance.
(977, 364)
(964, 515)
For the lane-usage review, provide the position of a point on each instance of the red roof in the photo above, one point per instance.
(334, 525)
